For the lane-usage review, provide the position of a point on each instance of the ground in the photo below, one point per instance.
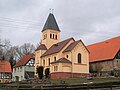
(67, 83)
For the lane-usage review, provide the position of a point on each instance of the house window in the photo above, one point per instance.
(43, 62)
(14, 69)
(21, 77)
(55, 36)
(20, 69)
(79, 58)
(54, 58)
(66, 56)
(50, 35)
(49, 61)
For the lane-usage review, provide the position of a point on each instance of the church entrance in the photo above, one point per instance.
(40, 72)
(47, 72)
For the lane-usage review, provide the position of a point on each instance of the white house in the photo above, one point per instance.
(24, 68)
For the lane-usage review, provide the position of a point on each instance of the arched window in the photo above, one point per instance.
(49, 61)
(67, 56)
(79, 58)
(54, 58)
(50, 35)
(43, 62)
(55, 36)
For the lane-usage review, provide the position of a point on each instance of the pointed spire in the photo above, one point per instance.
(51, 23)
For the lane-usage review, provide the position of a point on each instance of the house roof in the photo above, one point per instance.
(105, 50)
(23, 61)
(57, 47)
(41, 47)
(5, 66)
(62, 60)
(51, 23)
(71, 46)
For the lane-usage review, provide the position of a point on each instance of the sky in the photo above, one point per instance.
(21, 21)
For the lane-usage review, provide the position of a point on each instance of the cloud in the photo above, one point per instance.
(89, 20)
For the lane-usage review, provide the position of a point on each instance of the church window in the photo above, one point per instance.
(79, 58)
(55, 36)
(45, 36)
(50, 35)
(55, 68)
(43, 62)
(49, 61)
(54, 58)
(67, 56)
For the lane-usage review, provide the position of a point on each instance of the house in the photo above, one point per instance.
(5, 71)
(105, 57)
(24, 68)
(63, 59)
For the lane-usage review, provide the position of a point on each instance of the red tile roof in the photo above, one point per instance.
(105, 50)
(23, 61)
(57, 47)
(41, 47)
(5, 66)
(71, 46)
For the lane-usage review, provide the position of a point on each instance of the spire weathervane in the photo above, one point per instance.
(51, 10)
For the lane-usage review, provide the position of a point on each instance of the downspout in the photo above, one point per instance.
(72, 65)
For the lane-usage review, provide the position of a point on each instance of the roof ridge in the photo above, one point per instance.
(105, 40)
(54, 49)
(65, 40)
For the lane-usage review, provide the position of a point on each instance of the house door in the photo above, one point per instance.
(17, 78)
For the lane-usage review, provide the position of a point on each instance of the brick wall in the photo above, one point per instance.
(67, 75)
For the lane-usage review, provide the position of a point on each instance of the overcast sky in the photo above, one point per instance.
(21, 21)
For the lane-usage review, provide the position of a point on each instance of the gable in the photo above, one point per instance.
(117, 55)
(75, 44)
(31, 62)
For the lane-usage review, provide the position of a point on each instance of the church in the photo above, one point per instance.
(63, 59)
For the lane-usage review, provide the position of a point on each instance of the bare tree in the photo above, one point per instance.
(23, 50)
(5, 48)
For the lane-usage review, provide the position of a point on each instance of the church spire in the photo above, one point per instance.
(51, 23)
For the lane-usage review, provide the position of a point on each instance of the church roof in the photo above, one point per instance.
(23, 61)
(71, 46)
(41, 47)
(51, 23)
(55, 48)
(62, 60)
(105, 50)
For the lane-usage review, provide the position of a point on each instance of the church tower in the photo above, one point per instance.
(50, 32)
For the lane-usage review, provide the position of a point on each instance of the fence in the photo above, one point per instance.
(83, 86)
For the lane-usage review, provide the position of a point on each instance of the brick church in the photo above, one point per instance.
(63, 59)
